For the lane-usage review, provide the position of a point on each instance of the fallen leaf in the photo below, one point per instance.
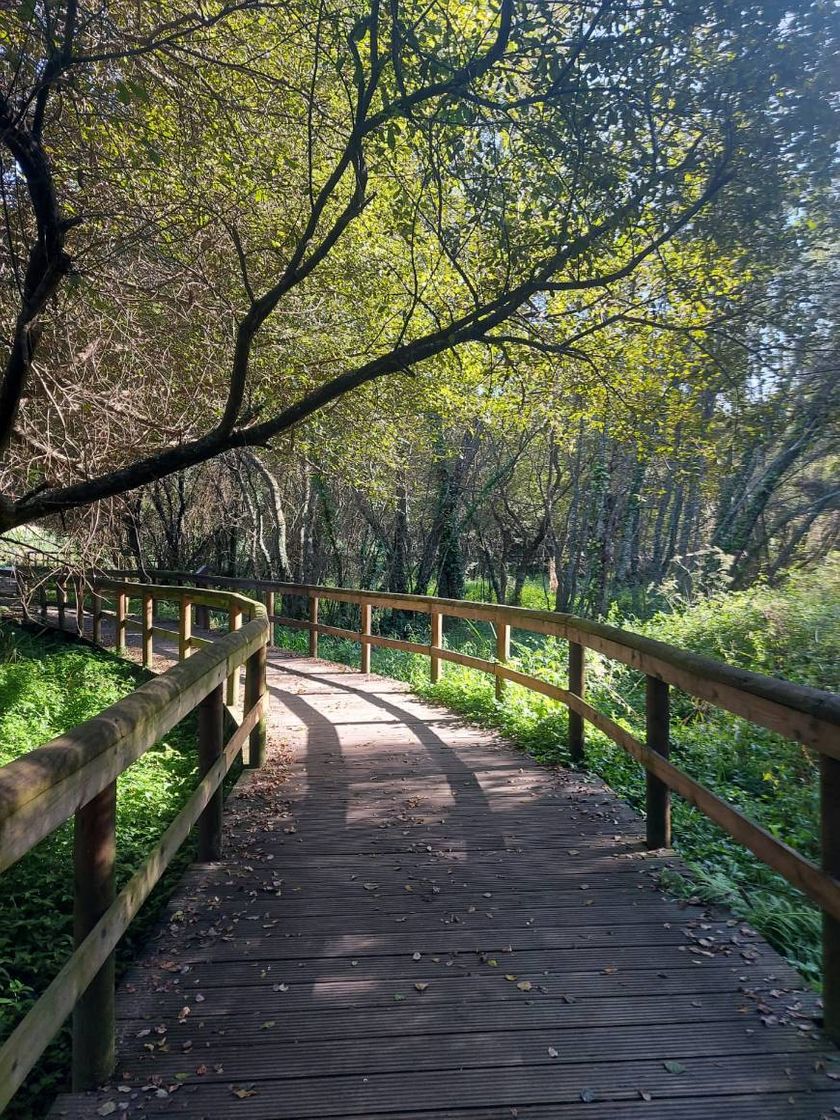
(398, 996)
(106, 1109)
(415, 956)
(524, 985)
(552, 1053)
(268, 1024)
(510, 976)
(243, 1093)
(674, 1067)
(587, 1095)
(421, 987)
(645, 1095)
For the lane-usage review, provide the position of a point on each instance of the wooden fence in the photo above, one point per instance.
(806, 715)
(75, 776)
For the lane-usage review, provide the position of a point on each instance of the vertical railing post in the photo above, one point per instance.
(313, 625)
(185, 628)
(577, 685)
(122, 611)
(202, 612)
(502, 653)
(234, 623)
(42, 600)
(96, 631)
(436, 642)
(60, 601)
(254, 692)
(364, 632)
(830, 846)
(148, 618)
(94, 852)
(269, 610)
(210, 745)
(657, 707)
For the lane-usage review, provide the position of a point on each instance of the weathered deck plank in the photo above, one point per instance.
(420, 922)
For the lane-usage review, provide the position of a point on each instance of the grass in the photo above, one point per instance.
(47, 685)
(793, 631)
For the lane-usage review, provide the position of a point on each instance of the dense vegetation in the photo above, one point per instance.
(47, 686)
(793, 631)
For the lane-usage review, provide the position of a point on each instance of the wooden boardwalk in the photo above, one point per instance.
(413, 920)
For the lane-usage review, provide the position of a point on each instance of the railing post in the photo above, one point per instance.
(502, 653)
(60, 601)
(657, 707)
(436, 641)
(254, 691)
(364, 632)
(313, 625)
(210, 744)
(830, 837)
(122, 610)
(234, 623)
(94, 851)
(202, 612)
(42, 599)
(185, 628)
(577, 685)
(148, 624)
(269, 610)
(96, 631)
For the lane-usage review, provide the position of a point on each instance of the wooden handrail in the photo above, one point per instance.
(807, 715)
(75, 775)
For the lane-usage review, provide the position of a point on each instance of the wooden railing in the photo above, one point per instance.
(806, 715)
(75, 776)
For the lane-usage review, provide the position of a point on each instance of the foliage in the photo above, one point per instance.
(792, 631)
(222, 218)
(48, 685)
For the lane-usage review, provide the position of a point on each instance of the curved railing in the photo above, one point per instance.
(75, 776)
(807, 715)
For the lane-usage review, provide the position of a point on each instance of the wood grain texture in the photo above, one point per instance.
(415, 921)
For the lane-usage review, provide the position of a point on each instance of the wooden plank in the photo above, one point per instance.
(465, 659)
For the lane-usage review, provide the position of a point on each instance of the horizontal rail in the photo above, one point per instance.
(75, 774)
(35, 1031)
(40, 790)
(808, 715)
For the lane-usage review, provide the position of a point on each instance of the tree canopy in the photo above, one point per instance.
(222, 218)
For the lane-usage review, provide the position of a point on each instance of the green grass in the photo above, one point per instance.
(48, 685)
(793, 632)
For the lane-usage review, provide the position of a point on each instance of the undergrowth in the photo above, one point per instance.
(793, 632)
(47, 685)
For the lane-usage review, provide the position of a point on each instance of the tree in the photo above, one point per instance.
(221, 219)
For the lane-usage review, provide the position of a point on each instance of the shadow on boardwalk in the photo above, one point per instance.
(414, 920)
